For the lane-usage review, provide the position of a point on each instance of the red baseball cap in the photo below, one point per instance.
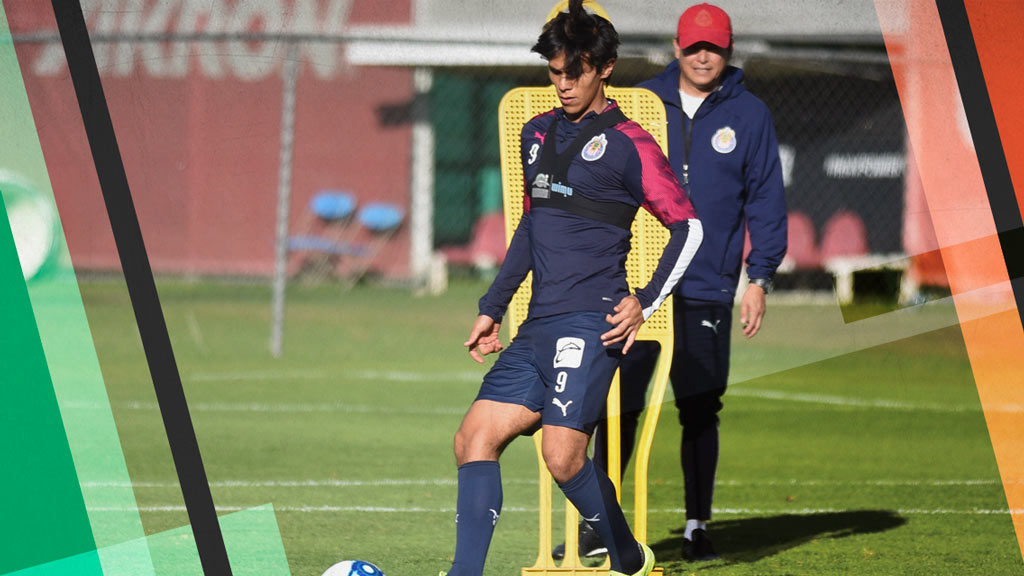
(704, 23)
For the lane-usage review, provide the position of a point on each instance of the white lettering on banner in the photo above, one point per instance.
(160, 58)
(882, 165)
(102, 14)
(50, 60)
(322, 55)
(106, 23)
(124, 52)
(254, 60)
(215, 17)
(151, 54)
(243, 59)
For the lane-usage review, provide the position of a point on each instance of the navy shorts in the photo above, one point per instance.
(557, 366)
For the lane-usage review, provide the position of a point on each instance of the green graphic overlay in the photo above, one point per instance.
(68, 505)
(42, 511)
(252, 538)
(85, 422)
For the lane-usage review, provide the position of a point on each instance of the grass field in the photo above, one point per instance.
(872, 461)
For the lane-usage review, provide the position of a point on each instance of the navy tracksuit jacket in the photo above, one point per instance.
(734, 178)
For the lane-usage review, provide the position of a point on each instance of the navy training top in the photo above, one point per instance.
(578, 263)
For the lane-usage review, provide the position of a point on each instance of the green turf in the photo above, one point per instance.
(874, 461)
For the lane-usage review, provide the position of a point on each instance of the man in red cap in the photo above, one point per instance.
(723, 149)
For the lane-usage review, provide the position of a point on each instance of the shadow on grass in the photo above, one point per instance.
(751, 539)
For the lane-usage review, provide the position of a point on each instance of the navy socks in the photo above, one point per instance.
(593, 494)
(590, 491)
(477, 510)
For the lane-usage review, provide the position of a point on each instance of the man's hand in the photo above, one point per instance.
(627, 320)
(752, 310)
(483, 338)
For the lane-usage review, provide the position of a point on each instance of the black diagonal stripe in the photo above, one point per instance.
(139, 277)
(985, 133)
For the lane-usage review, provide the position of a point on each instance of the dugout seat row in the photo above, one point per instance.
(844, 235)
(337, 239)
(843, 253)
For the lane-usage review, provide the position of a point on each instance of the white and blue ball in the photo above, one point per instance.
(353, 568)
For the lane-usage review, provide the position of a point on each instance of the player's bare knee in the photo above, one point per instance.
(468, 446)
(563, 470)
(475, 444)
(562, 464)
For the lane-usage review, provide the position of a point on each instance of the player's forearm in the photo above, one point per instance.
(683, 243)
(517, 264)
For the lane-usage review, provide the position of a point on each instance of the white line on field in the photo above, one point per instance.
(840, 400)
(331, 483)
(809, 511)
(386, 482)
(375, 375)
(302, 408)
(340, 407)
(397, 376)
(820, 399)
(258, 376)
(470, 376)
(448, 510)
(829, 400)
(794, 482)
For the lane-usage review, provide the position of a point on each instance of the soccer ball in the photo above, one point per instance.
(353, 568)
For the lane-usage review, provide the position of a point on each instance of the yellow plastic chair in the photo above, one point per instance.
(649, 238)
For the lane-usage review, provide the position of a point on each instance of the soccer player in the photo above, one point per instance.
(587, 169)
(723, 149)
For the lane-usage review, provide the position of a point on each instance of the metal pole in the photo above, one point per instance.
(421, 201)
(290, 74)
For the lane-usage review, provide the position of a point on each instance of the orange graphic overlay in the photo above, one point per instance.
(996, 28)
(940, 142)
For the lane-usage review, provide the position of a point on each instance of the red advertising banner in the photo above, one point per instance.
(195, 92)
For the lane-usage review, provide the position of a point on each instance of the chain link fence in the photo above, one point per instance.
(840, 128)
(212, 136)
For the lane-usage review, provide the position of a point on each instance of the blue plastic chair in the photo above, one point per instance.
(326, 234)
(381, 217)
(382, 220)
